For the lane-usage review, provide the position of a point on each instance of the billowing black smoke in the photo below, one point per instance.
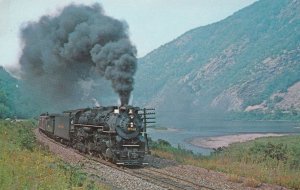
(79, 44)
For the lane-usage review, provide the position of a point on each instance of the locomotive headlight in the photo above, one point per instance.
(131, 127)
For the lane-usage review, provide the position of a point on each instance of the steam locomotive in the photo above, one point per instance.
(117, 134)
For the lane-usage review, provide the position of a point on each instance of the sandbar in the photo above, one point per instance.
(225, 141)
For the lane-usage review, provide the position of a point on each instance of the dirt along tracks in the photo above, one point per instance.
(167, 175)
(105, 174)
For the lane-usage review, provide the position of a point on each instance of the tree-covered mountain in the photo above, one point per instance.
(14, 103)
(248, 61)
(8, 86)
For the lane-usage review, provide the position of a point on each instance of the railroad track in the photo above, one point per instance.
(168, 181)
(148, 173)
(185, 184)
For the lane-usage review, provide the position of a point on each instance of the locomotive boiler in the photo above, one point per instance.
(117, 134)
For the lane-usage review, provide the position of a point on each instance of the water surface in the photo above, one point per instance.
(193, 129)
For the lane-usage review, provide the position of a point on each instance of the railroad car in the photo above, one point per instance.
(117, 134)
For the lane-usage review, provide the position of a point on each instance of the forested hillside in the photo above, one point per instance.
(8, 86)
(248, 62)
(14, 102)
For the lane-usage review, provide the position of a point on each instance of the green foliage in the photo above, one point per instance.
(26, 165)
(271, 160)
(274, 159)
(26, 138)
(7, 94)
(4, 111)
(269, 150)
(279, 149)
(159, 143)
(76, 177)
(218, 150)
(14, 103)
(21, 132)
(4, 105)
(295, 161)
(178, 153)
(3, 97)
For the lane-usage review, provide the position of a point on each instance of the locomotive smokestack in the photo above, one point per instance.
(124, 100)
(80, 43)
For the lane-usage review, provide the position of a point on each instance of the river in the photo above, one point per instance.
(179, 134)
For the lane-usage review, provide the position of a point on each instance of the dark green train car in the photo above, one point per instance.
(46, 123)
(62, 126)
(55, 124)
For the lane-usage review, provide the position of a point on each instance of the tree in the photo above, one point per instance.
(4, 108)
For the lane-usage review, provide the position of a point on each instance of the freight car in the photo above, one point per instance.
(117, 134)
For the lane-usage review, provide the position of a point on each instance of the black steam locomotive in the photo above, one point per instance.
(117, 134)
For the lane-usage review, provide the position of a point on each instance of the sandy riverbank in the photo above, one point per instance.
(224, 141)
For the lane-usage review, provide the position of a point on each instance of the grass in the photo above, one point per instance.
(26, 165)
(274, 160)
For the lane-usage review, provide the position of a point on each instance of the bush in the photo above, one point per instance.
(269, 150)
(26, 138)
(76, 177)
(163, 148)
(159, 143)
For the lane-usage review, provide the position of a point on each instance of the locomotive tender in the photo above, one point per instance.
(117, 134)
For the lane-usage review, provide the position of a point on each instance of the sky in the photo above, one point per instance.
(152, 23)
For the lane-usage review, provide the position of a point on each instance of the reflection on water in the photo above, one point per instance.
(218, 128)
